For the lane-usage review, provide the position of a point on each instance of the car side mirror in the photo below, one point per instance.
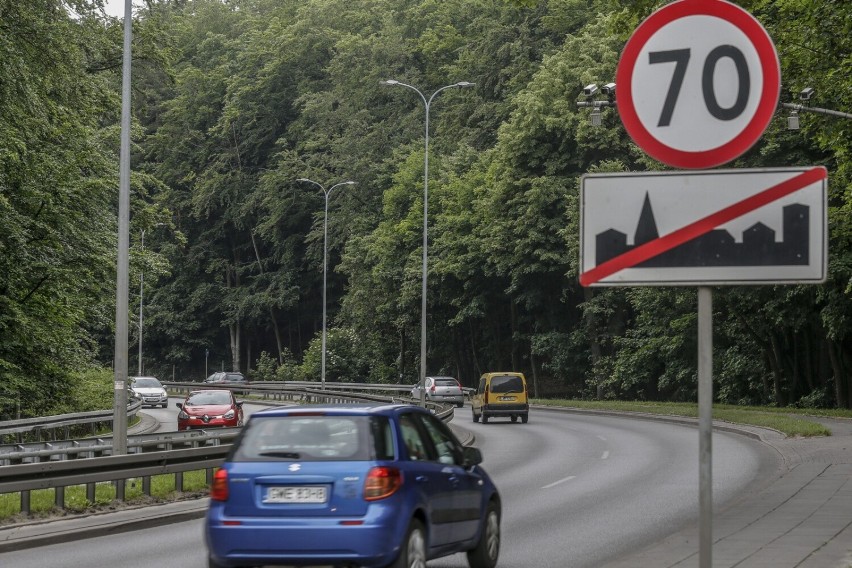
(179, 405)
(471, 456)
(240, 402)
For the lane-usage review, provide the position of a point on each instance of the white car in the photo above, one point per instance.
(149, 390)
(441, 389)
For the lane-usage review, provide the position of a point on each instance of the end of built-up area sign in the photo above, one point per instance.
(746, 226)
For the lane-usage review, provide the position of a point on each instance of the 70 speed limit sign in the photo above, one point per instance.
(698, 83)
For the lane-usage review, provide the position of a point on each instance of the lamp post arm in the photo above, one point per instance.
(803, 108)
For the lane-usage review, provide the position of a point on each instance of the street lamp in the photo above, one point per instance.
(326, 193)
(428, 104)
(119, 406)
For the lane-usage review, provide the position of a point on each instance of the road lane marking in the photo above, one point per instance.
(602, 438)
(605, 455)
(555, 483)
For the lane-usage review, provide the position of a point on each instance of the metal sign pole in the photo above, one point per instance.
(705, 426)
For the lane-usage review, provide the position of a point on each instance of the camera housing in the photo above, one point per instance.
(608, 89)
(590, 90)
(806, 93)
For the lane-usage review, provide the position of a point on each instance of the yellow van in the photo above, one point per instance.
(501, 394)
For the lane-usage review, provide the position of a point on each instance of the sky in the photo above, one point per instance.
(116, 8)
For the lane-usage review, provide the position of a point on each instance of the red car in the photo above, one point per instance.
(210, 408)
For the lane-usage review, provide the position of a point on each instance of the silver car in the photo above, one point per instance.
(441, 389)
(150, 390)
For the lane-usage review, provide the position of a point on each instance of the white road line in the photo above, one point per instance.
(605, 455)
(601, 438)
(555, 483)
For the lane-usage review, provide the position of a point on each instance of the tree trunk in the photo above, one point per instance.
(594, 343)
(837, 369)
(402, 348)
(513, 318)
(477, 369)
(534, 374)
(777, 371)
(235, 330)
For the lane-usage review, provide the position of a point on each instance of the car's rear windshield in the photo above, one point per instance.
(507, 383)
(147, 383)
(446, 382)
(212, 397)
(315, 438)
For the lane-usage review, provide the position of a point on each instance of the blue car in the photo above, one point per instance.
(351, 485)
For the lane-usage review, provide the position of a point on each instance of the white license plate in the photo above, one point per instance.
(296, 494)
(507, 398)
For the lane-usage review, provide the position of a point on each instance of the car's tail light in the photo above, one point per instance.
(219, 487)
(382, 482)
(433, 388)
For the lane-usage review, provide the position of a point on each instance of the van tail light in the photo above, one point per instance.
(219, 487)
(433, 388)
(381, 482)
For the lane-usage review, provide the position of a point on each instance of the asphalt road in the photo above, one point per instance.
(579, 491)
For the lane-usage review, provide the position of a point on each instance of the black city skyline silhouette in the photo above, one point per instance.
(716, 247)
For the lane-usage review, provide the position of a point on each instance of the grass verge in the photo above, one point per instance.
(789, 421)
(42, 505)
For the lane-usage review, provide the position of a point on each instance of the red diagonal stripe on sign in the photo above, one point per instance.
(660, 245)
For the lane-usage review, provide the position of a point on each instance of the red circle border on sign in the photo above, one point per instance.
(766, 106)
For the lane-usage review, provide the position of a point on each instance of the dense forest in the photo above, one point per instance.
(235, 101)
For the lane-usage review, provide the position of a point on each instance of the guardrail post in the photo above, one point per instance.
(25, 502)
(59, 497)
(90, 492)
(146, 485)
(179, 482)
(119, 489)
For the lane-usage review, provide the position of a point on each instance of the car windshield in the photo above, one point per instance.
(147, 383)
(212, 397)
(315, 438)
(507, 384)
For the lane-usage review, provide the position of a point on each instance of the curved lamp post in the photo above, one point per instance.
(428, 104)
(326, 193)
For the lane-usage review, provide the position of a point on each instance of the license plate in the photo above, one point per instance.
(296, 494)
(507, 398)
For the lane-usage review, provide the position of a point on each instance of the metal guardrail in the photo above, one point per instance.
(61, 470)
(48, 426)
(116, 469)
(62, 450)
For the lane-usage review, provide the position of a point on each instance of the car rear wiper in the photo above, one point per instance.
(288, 455)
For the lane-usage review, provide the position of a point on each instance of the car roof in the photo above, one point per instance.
(145, 377)
(360, 409)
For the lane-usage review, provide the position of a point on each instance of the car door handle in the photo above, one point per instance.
(421, 479)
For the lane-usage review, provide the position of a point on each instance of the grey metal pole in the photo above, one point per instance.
(141, 289)
(705, 426)
(119, 420)
(326, 194)
(427, 104)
